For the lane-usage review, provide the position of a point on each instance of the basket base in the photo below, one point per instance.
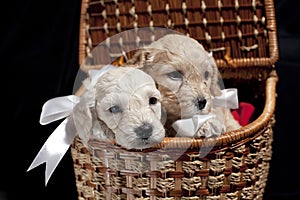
(233, 173)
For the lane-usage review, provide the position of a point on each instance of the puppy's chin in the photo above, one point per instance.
(138, 143)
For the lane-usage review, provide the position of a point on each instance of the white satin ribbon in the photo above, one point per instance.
(188, 127)
(228, 99)
(62, 137)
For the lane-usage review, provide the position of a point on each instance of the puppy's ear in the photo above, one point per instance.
(83, 121)
(215, 88)
(163, 117)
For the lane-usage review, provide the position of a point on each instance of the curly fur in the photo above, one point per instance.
(118, 107)
(199, 80)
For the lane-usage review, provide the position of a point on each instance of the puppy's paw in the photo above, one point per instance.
(212, 127)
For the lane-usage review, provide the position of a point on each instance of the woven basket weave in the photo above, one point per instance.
(242, 35)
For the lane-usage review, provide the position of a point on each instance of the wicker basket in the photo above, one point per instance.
(242, 35)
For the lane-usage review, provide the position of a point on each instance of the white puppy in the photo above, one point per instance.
(123, 105)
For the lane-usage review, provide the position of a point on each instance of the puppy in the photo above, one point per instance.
(124, 105)
(186, 76)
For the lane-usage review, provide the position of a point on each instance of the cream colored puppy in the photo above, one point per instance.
(123, 105)
(187, 77)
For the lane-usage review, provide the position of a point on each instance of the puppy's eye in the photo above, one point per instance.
(152, 100)
(175, 75)
(206, 75)
(115, 109)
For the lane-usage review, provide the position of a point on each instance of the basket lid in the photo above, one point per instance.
(240, 33)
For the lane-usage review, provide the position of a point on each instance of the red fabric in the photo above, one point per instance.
(244, 113)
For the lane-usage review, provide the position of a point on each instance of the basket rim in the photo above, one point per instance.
(221, 63)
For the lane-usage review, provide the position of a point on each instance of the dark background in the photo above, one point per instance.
(39, 55)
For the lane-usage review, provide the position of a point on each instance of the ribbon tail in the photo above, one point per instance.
(55, 147)
(51, 162)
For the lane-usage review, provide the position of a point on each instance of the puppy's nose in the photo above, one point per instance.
(144, 131)
(201, 102)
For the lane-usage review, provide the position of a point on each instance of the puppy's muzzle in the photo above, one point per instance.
(200, 103)
(144, 131)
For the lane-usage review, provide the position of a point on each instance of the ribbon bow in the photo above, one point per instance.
(62, 137)
(188, 127)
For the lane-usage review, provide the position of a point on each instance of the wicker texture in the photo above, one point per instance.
(235, 173)
(242, 35)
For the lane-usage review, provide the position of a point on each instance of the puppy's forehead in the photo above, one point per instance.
(182, 45)
(131, 79)
(124, 79)
(168, 62)
(186, 47)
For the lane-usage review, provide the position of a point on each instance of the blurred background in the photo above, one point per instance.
(39, 55)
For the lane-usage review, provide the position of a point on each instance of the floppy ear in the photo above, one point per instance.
(164, 116)
(215, 88)
(83, 120)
